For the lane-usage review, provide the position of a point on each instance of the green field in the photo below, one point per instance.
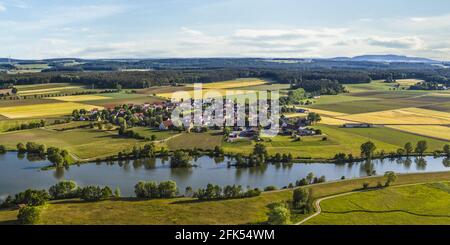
(202, 141)
(338, 140)
(84, 143)
(407, 205)
(148, 132)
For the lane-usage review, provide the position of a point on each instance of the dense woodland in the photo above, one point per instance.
(320, 77)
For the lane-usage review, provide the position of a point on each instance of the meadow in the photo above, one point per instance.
(149, 132)
(204, 141)
(405, 205)
(338, 139)
(84, 143)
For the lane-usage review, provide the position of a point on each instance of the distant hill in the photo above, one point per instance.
(387, 58)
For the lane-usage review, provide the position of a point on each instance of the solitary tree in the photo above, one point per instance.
(408, 148)
(309, 178)
(421, 147)
(447, 150)
(367, 149)
(391, 177)
(314, 117)
(260, 150)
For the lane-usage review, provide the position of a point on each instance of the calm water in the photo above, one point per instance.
(19, 174)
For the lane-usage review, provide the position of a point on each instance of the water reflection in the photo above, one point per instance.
(421, 163)
(17, 173)
(446, 162)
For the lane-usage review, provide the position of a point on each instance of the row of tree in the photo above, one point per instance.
(59, 157)
(215, 192)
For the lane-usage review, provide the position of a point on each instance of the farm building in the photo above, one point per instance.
(357, 125)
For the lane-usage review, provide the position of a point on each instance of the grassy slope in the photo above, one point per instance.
(419, 204)
(188, 211)
(85, 143)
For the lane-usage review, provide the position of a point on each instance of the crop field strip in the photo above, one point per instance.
(437, 132)
(78, 98)
(405, 116)
(43, 110)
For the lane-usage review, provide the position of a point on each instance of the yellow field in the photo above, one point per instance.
(408, 82)
(439, 132)
(238, 83)
(205, 93)
(333, 121)
(42, 110)
(327, 113)
(76, 98)
(405, 116)
(46, 90)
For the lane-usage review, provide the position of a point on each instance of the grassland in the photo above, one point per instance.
(148, 132)
(338, 140)
(406, 205)
(203, 141)
(84, 143)
(43, 110)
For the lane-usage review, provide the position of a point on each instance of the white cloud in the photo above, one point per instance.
(414, 43)
(2, 7)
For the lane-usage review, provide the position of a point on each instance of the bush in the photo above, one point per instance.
(64, 190)
(278, 215)
(32, 197)
(168, 189)
(29, 215)
(180, 159)
(21, 148)
(165, 189)
(2, 149)
(302, 200)
(95, 193)
(8, 203)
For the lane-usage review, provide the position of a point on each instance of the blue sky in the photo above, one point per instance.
(223, 28)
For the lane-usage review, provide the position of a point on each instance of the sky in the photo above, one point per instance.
(37, 29)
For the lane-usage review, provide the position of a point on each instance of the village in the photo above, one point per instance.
(158, 116)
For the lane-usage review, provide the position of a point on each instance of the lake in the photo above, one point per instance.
(20, 173)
